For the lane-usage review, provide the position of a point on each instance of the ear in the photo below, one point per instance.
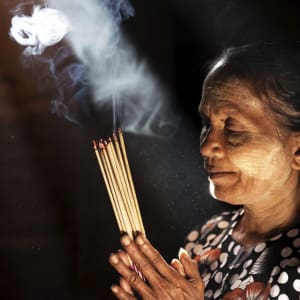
(295, 150)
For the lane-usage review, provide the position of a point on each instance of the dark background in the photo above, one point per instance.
(57, 228)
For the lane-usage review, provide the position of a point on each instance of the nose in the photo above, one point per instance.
(212, 144)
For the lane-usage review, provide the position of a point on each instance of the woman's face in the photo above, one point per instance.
(244, 155)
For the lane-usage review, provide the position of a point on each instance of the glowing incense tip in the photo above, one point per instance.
(95, 145)
(115, 137)
(101, 145)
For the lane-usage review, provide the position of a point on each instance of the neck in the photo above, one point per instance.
(265, 219)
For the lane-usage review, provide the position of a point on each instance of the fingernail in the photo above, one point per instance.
(114, 289)
(174, 261)
(113, 259)
(125, 240)
(183, 253)
(140, 240)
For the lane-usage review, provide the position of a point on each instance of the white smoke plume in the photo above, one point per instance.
(113, 70)
(46, 27)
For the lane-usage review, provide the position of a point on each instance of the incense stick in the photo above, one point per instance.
(114, 166)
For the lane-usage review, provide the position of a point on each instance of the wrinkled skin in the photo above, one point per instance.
(180, 280)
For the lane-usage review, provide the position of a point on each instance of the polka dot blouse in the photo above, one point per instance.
(270, 270)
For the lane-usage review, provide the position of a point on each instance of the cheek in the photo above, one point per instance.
(261, 162)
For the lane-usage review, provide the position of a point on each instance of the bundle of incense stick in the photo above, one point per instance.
(114, 166)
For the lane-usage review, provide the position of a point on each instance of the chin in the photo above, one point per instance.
(225, 194)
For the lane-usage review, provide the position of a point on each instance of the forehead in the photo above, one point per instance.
(230, 95)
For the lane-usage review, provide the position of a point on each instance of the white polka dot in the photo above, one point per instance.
(223, 224)
(236, 284)
(284, 263)
(248, 263)
(234, 217)
(217, 293)
(233, 224)
(230, 231)
(243, 274)
(293, 232)
(296, 285)
(206, 277)
(283, 297)
(275, 290)
(293, 262)
(198, 249)
(234, 278)
(275, 271)
(276, 237)
(236, 249)
(223, 259)
(271, 280)
(296, 243)
(214, 265)
(193, 236)
(210, 237)
(206, 249)
(298, 269)
(283, 278)
(219, 218)
(189, 246)
(260, 247)
(286, 252)
(219, 277)
(230, 246)
(209, 294)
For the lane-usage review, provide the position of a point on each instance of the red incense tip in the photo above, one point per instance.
(101, 146)
(114, 137)
(94, 144)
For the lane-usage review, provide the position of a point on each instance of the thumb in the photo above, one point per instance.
(190, 265)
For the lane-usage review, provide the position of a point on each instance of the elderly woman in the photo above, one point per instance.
(250, 144)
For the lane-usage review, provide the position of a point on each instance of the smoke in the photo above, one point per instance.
(115, 74)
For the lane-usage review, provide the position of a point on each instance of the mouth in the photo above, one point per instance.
(216, 175)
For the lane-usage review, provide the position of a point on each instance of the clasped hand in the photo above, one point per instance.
(180, 280)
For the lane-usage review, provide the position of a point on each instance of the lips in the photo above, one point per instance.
(215, 172)
(215, 175)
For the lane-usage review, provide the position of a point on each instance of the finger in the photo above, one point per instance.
(129, 275)
(190, 267)
(176, 264)
(144, 265)
(157, 261)
(121, 294)
(126, 286)
(124, 257)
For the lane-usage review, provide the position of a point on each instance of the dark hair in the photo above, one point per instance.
(272, 72)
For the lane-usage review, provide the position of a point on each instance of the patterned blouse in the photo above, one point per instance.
(270, 270)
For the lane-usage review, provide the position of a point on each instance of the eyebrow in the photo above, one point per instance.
(219, 104)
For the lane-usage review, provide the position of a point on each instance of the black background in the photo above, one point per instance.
(57, 228)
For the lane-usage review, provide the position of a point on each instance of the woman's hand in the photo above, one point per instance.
(163, 281)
